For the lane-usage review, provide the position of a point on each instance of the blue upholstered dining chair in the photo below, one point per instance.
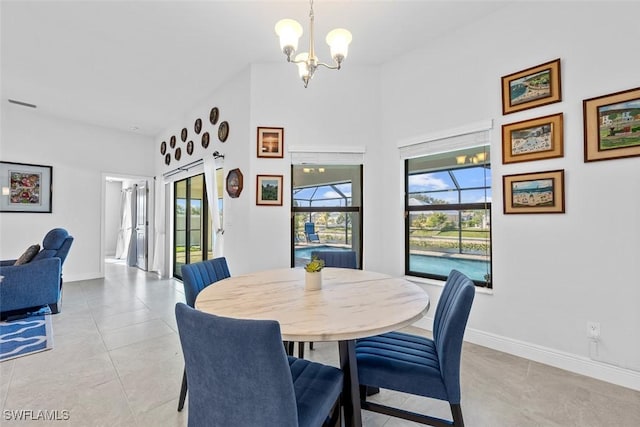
(419, 365)
(196, 277)
(336, 258)
(232, 386)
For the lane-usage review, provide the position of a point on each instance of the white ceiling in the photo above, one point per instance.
(137, 65)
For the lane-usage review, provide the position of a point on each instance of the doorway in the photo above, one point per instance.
(126, 221)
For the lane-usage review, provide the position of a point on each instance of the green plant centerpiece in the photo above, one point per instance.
(315, 265)
(313, 275)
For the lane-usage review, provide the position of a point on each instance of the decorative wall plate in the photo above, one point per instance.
(163, 147)
(205, 139)
(167, 159)
(223, 131)
(213, 115)
(190, 147)
(172, 142)
(183, 135)
(197, 126)
(234, 183)
(178, 154)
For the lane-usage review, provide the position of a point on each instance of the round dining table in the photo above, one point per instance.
(351, 304)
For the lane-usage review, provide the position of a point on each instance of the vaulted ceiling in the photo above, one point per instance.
(137, 65)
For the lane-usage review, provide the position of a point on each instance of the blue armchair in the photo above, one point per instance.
(38, 282)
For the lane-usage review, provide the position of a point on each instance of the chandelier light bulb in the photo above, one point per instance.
(289, 32)
(338, 40)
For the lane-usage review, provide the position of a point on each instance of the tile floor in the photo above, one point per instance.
(117, 362)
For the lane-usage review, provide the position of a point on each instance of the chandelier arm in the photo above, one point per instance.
(331, 67)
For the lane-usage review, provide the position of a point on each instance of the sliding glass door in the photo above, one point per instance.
(192, 223)
(192, 242)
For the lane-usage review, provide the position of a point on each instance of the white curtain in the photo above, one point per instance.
(210, 179)
(159, 232)
(124, 233)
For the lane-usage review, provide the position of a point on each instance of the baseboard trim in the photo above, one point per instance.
(548, 356)
(78, 277)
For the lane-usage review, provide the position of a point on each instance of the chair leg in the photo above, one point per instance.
(311, 345)
(183, 391)
(456, 412)
(301, 350)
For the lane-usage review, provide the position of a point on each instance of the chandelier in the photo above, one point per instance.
(290, 31)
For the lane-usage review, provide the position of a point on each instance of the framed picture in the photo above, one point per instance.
(270, 142)
(26, 187)
(612, 126)
(533, 87)
(534, 139)
(234, 183)
(269, 190)
(539, 192)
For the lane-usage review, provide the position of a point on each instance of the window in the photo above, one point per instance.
(326, 210)
(448, 215)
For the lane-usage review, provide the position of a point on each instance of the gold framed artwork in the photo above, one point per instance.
(533, 87)
(534, 139)
(538, 192)
(269, 190)
(612, 126)
(270, 142)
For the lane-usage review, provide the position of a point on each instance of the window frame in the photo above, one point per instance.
(459, 207)
(357, 210)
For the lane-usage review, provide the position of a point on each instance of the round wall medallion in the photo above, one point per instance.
(205, 139)
(183, 135)
(172, 142)
(223, 131)
(213, 115)
(167, 159)
(190, 147)
(163, 147)
(178, 153)
(234, 183)
(197, 126)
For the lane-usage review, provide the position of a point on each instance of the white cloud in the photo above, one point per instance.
(428, 181)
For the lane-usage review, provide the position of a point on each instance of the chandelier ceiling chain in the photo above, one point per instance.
(289, 32)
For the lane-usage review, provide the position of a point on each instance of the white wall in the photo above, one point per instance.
(232, 100)
(552, 273)
(338, 109)
(112, 216)
(79, 154)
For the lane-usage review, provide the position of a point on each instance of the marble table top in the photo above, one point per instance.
(351, 304)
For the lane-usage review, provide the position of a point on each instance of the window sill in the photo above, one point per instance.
(440, 283)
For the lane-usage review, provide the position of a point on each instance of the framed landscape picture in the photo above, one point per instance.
(612, 126)
(269, 190)
(25, 187)
(533, 87)
(534, 139)
(270, 142)
(539, 192)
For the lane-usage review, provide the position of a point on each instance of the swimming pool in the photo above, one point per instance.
(305, 252)
(474, 269)
(439, 265)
